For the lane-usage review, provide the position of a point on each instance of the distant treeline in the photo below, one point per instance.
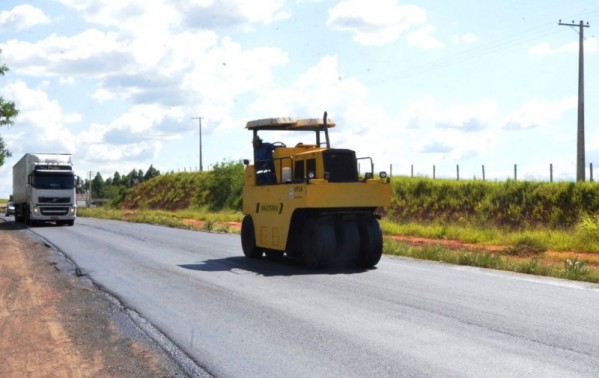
(116, 187)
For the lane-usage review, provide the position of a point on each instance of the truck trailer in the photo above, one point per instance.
(44, 189)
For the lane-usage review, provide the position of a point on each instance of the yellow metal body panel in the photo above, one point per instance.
(272, 206)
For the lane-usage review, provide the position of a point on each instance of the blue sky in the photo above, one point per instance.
(117, 83)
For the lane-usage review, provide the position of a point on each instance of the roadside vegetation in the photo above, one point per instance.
(549, 229)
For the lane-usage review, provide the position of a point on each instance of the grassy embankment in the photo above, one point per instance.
(532, 227)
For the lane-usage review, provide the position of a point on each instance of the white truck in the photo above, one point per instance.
(43, 189)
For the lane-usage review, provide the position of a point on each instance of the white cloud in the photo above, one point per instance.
(457, 131)
(538, 113)
(123, 14)
(319, 87)
(92, 52)
(132, 138)
(41, 125)
(466, 39)
(162, 15)
(423, 39)
(22, 17)
(265, 11)
(375, 25)
(544, 49)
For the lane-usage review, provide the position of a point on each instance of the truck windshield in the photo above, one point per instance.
(58, 180)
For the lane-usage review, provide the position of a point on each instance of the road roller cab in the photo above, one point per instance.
(308, 200)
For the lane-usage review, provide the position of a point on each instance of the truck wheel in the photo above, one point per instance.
(18, 214)
(26, 216)
(318, 241)
(248, 239)
(371, 242)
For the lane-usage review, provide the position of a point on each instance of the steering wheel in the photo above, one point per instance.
(278, 144)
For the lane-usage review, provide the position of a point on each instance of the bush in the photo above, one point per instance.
(527, 246)
(222, 188)
(512, 203)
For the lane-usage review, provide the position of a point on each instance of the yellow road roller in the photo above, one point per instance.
(308, 200)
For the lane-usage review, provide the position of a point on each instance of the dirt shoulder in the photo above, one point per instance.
(56, 324)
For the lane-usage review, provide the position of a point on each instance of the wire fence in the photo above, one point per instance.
(483, 173)
(457, 175)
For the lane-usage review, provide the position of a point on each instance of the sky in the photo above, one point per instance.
(412, 84)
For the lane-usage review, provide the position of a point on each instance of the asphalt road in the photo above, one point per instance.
(245, 318)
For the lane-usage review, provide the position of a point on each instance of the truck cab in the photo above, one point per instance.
(44, 189)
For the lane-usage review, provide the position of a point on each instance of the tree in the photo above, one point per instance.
(98, 186)
(7, 114)
(131, 178)
(116, 179)
(222, 187)
(151, 173)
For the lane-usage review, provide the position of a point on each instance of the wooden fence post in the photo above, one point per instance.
(434, 172)
(484, 172)
(412, 171)
(515, 172)
(457, 167)
(551, 172)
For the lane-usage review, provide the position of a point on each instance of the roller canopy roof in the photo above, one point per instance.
(286, 123)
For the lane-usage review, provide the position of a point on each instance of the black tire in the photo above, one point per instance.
(248, 239)
(371, 242)
(348, 244)
(349, 248)
(318, 240)
(18, 213)
(26, 216)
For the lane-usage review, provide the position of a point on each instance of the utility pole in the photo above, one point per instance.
(89, 197)
(200, 121)
(580, 152)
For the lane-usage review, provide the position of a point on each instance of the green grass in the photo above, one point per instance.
(572, 269)
(214, 221)
(584, 237)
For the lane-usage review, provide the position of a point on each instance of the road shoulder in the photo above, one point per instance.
(55, 323)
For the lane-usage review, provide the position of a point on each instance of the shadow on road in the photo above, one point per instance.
(9, 225)
(268, 267)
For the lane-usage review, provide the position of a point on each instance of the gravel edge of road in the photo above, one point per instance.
(129, 324)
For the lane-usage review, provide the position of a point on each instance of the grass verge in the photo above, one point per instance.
(572, 269)
(186, 219)
(583, 238)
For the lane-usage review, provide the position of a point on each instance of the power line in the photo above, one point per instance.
(469, 54)
(492, 47)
